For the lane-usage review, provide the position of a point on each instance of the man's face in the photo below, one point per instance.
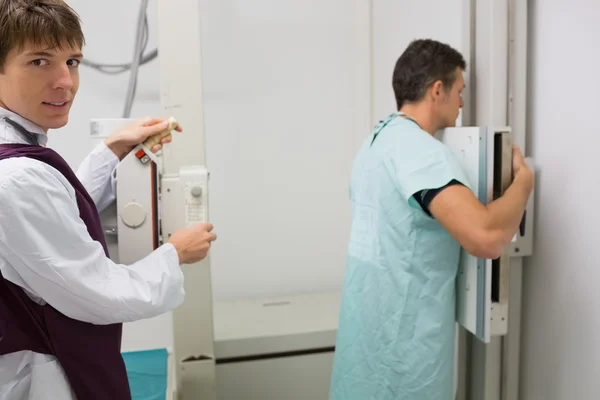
(451, 102)
(40, 84)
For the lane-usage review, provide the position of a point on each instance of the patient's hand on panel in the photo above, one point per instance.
(192, 243)
(521, 169)
(485, 230)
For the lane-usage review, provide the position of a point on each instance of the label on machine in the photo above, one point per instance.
(184, 199)
(194, 182)
(195, 211)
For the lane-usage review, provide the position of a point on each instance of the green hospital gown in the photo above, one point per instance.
(397, 320)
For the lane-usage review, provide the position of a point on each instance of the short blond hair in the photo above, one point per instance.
(49, 23)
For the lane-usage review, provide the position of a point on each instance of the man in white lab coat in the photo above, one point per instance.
(62, 300)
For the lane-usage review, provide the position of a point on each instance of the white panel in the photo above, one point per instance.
(136, 186)
(499, 310)
(281, 103)
(270, 327)
(290, 378)
(276, 325)
(474, 275)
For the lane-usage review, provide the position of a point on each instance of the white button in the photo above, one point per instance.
(197, 191)
(133, 215)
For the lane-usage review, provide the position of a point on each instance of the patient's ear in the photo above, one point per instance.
(437, 89)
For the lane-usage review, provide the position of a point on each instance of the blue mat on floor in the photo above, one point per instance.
(147, 372)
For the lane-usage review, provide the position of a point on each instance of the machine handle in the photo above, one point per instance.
(522, 225)
(155, 139)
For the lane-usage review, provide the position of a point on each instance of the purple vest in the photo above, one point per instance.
(89, 354)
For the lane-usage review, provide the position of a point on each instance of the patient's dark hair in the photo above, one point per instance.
(424, 62)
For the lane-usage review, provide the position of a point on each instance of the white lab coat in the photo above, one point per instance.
(45, 248)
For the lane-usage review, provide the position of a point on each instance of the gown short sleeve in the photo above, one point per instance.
(430, 165)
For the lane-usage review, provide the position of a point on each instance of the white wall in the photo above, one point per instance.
(281, 106)
(396, 23)
(561, 319)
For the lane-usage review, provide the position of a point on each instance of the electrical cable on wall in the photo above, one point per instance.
(115, 69)
(139, 59)
(137, 55)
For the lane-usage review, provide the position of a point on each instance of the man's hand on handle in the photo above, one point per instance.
(124, 140)
(193, 243)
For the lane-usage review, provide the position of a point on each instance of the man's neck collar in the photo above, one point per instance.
(422, 116)
(25, 123)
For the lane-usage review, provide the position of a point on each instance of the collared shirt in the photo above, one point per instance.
(45, 249)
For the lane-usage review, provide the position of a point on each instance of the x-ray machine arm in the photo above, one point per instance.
(185, 171)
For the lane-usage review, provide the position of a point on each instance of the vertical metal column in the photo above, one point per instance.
(181, 92)
(469, 110)
(501, 96)
(517, 119)
(491, 86)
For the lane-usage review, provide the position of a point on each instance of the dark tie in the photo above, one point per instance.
(29, 137)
